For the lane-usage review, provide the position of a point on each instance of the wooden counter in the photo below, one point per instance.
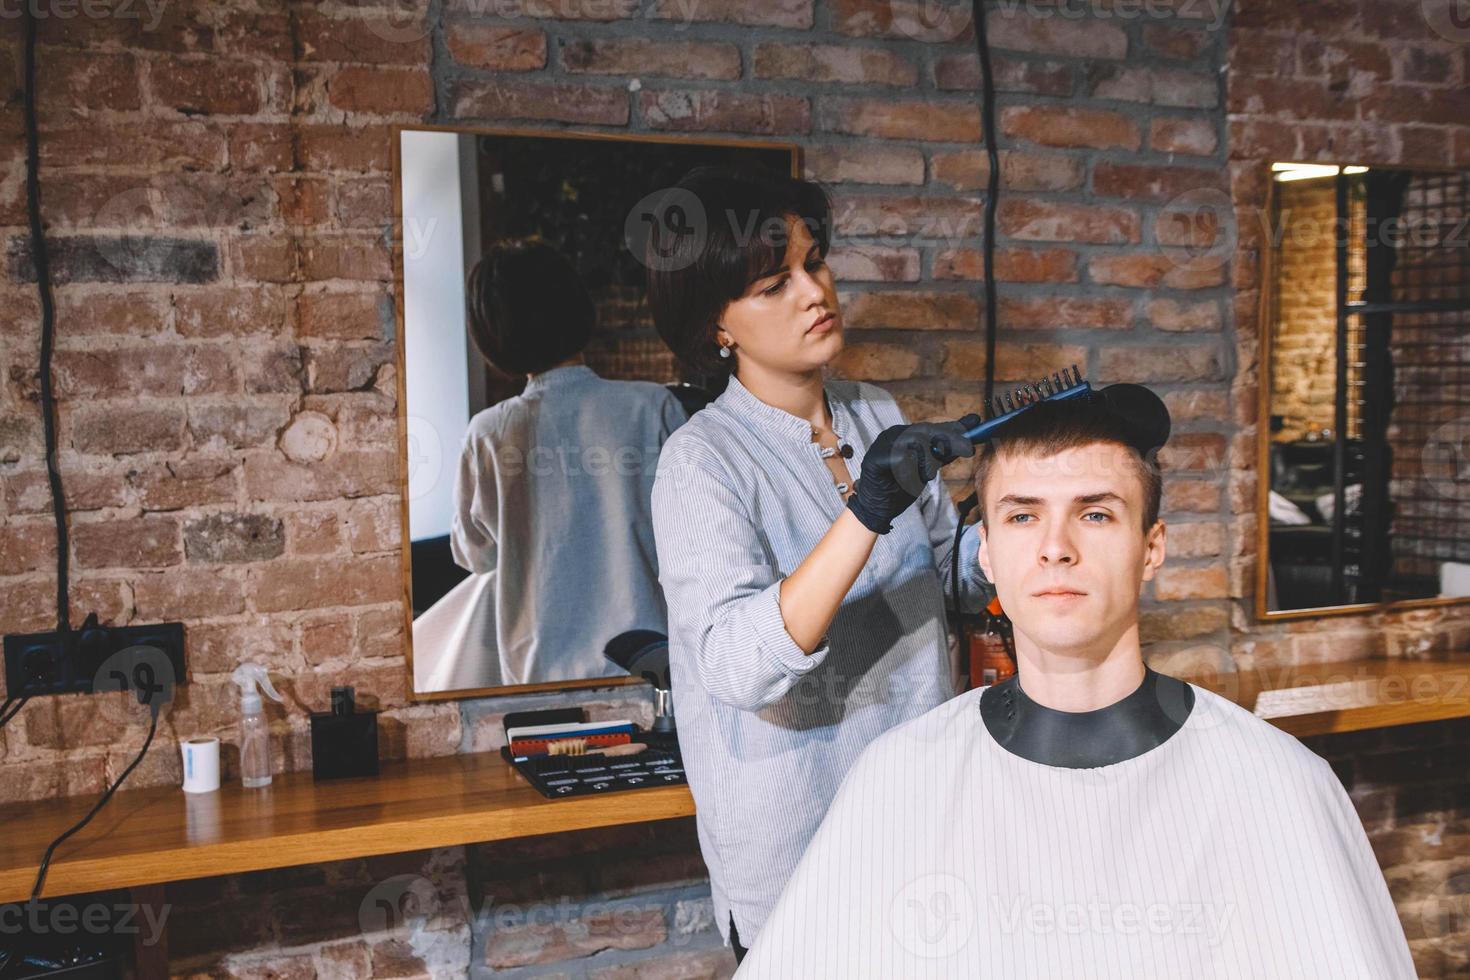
(163, 834)
(155, 835)
(1317, 699)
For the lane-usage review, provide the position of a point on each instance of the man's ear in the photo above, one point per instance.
(984, 554)
(1153, 549)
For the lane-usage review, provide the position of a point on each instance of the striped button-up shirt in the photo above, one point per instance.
(742, 496)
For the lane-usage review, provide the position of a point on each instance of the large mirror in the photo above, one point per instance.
(512, 578)
(1365, 396)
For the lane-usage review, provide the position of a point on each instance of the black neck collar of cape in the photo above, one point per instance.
(1123, 730)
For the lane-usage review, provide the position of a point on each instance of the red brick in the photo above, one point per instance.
(364, 39)
(130, 314)
(865, 164)
(211, 87)
(360, 258)
(120, 430)
(381, 91)
(216, 201)
(832, 63)
(184, 594)
(962, 71)
(143, 542)
(874, 263)
(912, 310)
(260, 146)
(364, 202)
(327, 638)
(1191, 496)
(1195, 539)
(27, 547)
(685, 111)
(623, 926)
(1064, 313)
(877, 362)
(496, 48)
(1171, 314)
(1155, 86)
(639, 56)
(296, 583)
(1152, 183)
(940, 219)
(195, 481)
(1288, 98)
(1180, 135)
(1208, 582)
(1036, 220)
(1160, 625)
(354, 148)
(264, 258)
(1151, 270)
(1011, 264)
(1070, 127)
(1013, 362)
(164, 369)
(313, 532)
(1341, 61)
(344, 316)
(945, 122)
(970, 170)
(1181, 43)
(159, 146)
(236, 425)
(344, 474)
(481, 99)
(903, 20)
(92, 79)
(1016, 29)
(305, 202)
(1149, 365)
(231, 312)
(774, 13)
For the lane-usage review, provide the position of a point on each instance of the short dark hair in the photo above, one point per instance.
(528, 308)
(695, 275)
(1048, 428)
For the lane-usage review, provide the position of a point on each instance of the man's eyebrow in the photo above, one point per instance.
(1104, 496)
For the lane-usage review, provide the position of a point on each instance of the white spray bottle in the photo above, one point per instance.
(255, 740)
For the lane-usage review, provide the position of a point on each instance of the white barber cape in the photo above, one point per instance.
(1231, 850)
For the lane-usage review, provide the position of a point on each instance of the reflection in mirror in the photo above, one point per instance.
(1368, 396)
(536, 397)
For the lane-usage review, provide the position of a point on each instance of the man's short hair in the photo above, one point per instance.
(528, 309)
(1049, 428)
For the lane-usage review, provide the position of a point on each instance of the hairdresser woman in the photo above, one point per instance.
(801, 533)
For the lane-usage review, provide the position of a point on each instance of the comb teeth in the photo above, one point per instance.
(1030, 394)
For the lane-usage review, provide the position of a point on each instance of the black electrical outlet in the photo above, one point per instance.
(95, 658)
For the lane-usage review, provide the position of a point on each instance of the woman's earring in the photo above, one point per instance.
(724, 351)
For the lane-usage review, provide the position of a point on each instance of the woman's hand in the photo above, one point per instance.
(900, 463)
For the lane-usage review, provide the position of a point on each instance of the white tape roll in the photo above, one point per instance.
(201, 764)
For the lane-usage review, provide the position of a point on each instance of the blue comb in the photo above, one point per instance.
(1003, 408)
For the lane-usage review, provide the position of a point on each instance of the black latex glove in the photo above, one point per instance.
(900, 463)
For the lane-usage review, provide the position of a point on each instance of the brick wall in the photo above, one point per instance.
(217, 194)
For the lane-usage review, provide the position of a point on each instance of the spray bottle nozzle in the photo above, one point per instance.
(251, 679)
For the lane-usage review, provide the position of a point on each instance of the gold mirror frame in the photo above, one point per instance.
(1266, 313)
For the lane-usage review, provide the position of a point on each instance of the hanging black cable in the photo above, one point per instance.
(42, 262)
(987, 246)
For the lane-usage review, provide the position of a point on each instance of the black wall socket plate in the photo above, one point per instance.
(88, 659)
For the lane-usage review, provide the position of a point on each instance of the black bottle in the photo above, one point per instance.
(344, 741)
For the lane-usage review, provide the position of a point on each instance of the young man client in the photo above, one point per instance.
(1088, 817)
